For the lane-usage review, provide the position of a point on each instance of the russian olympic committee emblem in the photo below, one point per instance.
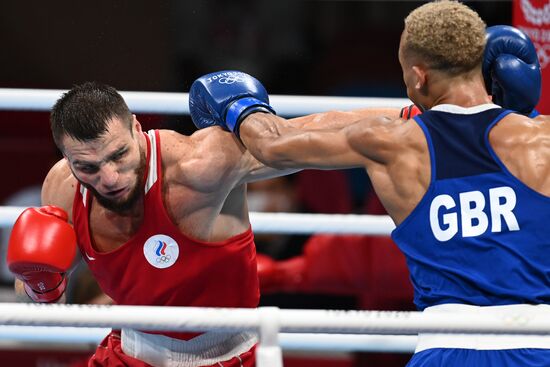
(161, 251)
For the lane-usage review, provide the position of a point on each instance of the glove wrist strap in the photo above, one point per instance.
(48, 296)
(241, 108)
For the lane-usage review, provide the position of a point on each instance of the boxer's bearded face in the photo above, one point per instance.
(128, 198)
(112, 167)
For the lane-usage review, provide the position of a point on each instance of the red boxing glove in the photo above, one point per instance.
(41, 249)
(330, 264)
(409, 112)
(280, 276)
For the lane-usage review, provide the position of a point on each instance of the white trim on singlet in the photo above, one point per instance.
(484, 341)
(464, 110)
(152, 174)
(84, 193)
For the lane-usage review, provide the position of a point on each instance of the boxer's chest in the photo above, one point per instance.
(108, 232)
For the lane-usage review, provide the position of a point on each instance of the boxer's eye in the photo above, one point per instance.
(88, 169)
(119, 155)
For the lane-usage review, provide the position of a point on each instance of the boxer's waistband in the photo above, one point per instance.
(486, 341)
(206, 349)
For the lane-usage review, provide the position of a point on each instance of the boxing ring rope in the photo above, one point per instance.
(177, 103)
(535, 322)
(16, 335)
(394, 330)
(289, 223)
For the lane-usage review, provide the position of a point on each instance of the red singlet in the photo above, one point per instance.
(159, 265)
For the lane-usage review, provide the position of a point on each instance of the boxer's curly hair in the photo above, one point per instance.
(447, 35)
(83, 113)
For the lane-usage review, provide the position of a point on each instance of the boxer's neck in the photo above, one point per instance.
(466, 90)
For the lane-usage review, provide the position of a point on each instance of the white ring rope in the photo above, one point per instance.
(535, 322)
(311, 342)
(292, 223)
(177, 103)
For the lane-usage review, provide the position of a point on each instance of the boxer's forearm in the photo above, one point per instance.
(277, 143)
(261, 134)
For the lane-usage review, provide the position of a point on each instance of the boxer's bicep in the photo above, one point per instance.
(338, 119)
(377, 140)
(299, 149)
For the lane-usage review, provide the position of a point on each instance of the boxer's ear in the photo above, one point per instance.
(136, 125)
(421, 77)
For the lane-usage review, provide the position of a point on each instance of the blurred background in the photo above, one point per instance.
(296, 47)
(346, 48)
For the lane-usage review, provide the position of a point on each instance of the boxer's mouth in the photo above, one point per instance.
(116, 193)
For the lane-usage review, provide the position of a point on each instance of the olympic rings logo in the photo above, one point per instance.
(163, 259)
(231, 79)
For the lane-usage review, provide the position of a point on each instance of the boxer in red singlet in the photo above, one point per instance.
(160, 218)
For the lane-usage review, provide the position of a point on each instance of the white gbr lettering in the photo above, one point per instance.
(474, 221)
(503, 210)
(449, 219)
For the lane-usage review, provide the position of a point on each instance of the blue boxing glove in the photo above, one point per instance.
(511, 69)
(225, 98)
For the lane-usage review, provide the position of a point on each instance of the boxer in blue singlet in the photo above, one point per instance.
(467, 182)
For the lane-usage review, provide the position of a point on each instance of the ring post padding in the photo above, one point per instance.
(269, 352)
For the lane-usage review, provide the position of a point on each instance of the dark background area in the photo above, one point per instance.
(346, 48)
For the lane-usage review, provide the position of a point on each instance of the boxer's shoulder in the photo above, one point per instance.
(59, 186)
(202, 158)
(381, 138)
(522, 123)
(518, 131)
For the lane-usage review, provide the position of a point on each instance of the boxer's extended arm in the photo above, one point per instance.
(221, 146)
(216, 103)
(277, 143)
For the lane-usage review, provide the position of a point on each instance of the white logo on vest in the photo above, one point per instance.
(161, 251)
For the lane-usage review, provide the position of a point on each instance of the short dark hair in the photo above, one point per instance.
(84, 112)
